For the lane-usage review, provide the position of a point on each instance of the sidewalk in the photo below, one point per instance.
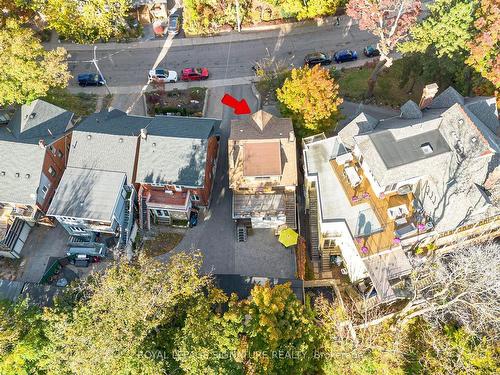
(258, 32)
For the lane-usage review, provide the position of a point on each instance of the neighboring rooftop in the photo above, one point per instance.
(87, 194)
(21, 155)
(361, 124)
(174, 150)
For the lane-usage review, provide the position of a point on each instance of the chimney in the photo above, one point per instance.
(428, 95)
(291, 136)
(41, 143)
(144, 133)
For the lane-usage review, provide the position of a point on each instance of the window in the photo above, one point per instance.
(195, 198)
(77, 229)
(45, 189)
(59, 154)
(52, 171)
(52, 149)
(162, 213)
(329, 244)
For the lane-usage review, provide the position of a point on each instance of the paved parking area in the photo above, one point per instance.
(262, 255)
(42, 243)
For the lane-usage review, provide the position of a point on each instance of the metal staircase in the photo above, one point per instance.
(144, 213)
(313, 224)
(124, 229)
(291, 210)
(241, 233)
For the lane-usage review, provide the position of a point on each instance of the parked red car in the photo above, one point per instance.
(194, 74)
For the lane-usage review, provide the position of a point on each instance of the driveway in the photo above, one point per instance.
(42, 243)
(214, 235)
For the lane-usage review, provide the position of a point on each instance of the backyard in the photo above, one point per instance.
(162, 243)
(187, 102)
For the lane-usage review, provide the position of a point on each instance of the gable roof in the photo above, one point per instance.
(485, 109)
(411, 110)
(21, 156)
(447, 98)
(174, 150)
(260, 125)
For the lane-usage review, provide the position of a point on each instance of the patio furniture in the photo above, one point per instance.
(401, 221)
(343, 271)
(397, 212)
(364, 250)
(396, 240)
(352, 176)
(406, 231)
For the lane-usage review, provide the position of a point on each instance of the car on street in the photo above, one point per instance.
(194, 74)
(345, 55)
(371, 51)
(174, 24)
(317, 58)
(162, 76)
(90, 79)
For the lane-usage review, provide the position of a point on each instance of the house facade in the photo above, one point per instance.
(176, 167)
(34, 147)
(383, 188)
(263, 171)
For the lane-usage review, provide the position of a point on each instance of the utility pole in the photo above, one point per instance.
(94, 60)
(238, 22)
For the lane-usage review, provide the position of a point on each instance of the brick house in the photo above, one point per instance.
(176, 166)
(34, 147)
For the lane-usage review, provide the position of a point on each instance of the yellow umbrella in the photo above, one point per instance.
(288, 237)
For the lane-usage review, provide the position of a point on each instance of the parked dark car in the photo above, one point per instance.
(345, 55)
(371, 51)
(317, 58)
(193, 217)
(174, 24)
(90, 79)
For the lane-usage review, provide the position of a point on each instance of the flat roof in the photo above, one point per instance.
(262, 159)
(87, 194)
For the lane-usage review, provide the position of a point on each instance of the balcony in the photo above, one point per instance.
(382, 238)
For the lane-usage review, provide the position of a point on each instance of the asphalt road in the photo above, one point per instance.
(128, 67)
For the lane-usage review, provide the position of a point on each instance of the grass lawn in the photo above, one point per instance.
(80, 104)
(354, 83)
(161, 244)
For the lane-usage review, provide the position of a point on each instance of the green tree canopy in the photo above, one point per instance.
(27, 71)
(312, 97)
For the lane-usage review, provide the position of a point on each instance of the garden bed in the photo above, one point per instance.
(187, 102)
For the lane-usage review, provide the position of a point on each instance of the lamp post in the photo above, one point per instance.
(94, 60)
(238, 22)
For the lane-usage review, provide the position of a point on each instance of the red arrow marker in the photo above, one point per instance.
(240, 106)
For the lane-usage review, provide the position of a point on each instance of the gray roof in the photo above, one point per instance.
(396, 152)
(20, 154)
(105, 152)
(114, 122)
(362, 123)
(87, 194)
(447, 98)
(411, 110)
(485, 109)
(175, 150)
(260, 125)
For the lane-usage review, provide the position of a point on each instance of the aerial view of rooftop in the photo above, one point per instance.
(249, 187)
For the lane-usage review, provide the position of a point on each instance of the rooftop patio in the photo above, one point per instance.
(393, 211)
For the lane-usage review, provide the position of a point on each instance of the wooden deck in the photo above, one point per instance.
(364, 193)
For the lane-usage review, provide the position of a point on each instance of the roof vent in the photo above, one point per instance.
(426, 148)
(28, 175)
(460, 121)
(153, 144)
(120, 140)
(144, 133)
(81, 203)
(41, 143)
(291, 136)
(17, 174)
(89, 137)
(32, 115)
(2, 173)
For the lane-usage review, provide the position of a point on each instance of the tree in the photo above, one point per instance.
(463, 289)
(124, 320)
(280, 335)
(27, 71)
(85, 21)
(484, 56)
(390, 21)
(21, 338)
(311, 96)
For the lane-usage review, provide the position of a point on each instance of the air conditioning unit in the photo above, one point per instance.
(169, 192)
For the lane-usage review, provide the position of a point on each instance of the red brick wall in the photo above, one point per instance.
(203, 193)
(59, 165)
